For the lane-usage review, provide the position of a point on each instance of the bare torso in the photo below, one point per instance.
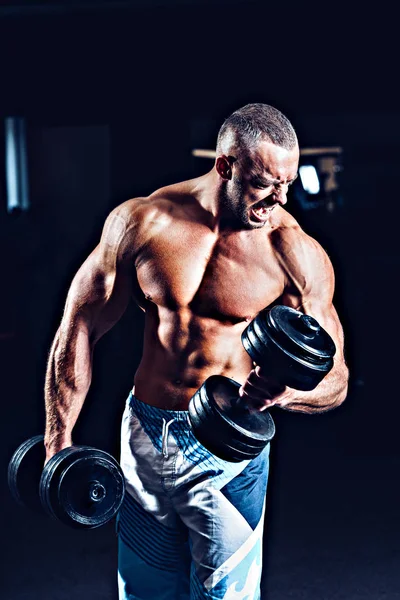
(199, 288)
(201, 258)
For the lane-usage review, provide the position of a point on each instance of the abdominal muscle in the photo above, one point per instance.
(181, 350)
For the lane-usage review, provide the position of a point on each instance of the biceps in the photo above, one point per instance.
(328, 319)
(323, 311)
(98, 295)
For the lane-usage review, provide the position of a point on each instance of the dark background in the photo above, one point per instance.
(116, 95)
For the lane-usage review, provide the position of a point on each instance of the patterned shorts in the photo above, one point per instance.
(191, 524)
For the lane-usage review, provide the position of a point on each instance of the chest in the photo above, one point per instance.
(226, 277)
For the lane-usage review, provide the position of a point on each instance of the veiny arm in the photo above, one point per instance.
(96, 300)
(309, 288)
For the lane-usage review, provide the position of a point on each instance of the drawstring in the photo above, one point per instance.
(165, 428)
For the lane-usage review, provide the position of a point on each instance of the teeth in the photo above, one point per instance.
(260, 207)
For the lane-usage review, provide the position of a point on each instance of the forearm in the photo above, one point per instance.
(68, 379)
(329, 394)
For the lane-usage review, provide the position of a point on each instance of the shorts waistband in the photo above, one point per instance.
(157, 415)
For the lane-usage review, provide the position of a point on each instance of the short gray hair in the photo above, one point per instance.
(255, 122)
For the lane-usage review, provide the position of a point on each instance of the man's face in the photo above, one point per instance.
(259, 182)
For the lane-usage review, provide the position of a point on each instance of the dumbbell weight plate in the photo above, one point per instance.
(227, 428)
(252, 427)
(24, 472)
(290, 346)
(215, 440)
(82, 487)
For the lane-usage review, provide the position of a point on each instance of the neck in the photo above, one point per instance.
(210, 192)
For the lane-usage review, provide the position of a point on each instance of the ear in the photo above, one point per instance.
(223, 166)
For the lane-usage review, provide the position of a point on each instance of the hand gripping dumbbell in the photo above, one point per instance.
(291, 348)
(80, 486)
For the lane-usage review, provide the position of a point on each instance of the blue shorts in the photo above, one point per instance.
(191, 524)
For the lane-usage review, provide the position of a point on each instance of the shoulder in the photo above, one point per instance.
(161, 206)
(135, 217)
(305, 263)
(134, 222)
(131, 213)
(292, 244)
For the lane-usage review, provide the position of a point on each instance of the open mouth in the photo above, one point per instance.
(261, 211)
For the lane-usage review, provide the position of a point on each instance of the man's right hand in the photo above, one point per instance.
(53, 449)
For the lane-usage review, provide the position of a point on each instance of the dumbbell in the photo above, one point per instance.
(80, 486)
(291, 348)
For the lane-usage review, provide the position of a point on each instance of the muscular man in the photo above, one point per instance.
(201, 258)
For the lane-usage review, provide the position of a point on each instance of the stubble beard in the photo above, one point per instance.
(234, 203)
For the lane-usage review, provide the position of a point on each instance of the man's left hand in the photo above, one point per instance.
(262, 392)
